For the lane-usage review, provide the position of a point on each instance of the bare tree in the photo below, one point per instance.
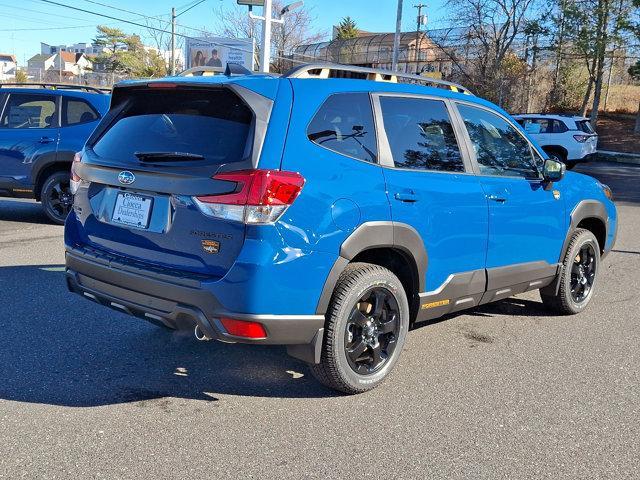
(159, 35)
(297, 30)
(486, 31)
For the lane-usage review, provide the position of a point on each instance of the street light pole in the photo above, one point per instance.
(396, 38)
(265, 54)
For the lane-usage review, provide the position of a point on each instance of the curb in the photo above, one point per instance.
(619, 157)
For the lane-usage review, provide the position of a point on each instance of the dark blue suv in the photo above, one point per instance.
(42, 126)
(324, 213)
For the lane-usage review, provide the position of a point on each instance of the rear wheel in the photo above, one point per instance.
(578, 275)
(366, 327)
(56, 197)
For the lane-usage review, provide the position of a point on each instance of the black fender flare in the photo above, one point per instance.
(583, 210)
(370, 235)
(62, 158)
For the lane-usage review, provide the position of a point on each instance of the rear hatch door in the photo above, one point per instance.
(159, 146)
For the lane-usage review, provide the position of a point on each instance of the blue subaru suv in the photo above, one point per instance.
(42, 126)
(324, 213)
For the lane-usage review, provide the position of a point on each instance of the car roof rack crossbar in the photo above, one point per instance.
(57, 86)
(334, 70)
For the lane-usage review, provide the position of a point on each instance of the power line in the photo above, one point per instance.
(149, 27)
(156, 17)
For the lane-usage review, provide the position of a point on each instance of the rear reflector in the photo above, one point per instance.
(241, 328)
(259, 197)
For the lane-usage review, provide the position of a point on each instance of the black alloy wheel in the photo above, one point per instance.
(366, 326)
(56, 197)
(583, 273)
(372, 330)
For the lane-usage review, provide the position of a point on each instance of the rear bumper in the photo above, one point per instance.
(181, 302)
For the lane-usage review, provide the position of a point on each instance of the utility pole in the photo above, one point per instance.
(396, 38)
(420, 6)
(175, 15)
(173, 41)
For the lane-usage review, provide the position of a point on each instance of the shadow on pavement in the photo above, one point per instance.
(622, 178)
(24, 211)
(59, 349)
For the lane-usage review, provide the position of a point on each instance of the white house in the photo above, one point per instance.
(8, 66)
(50, 67)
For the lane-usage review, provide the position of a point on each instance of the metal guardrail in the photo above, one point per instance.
(57, 86)
(325, 70)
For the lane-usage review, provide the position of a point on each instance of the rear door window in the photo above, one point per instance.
(29, 111)
(202, 122)
(76, 111)
(420, 134)
(344, 124)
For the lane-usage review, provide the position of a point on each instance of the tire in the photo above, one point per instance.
(56, 197)
(583, 255)
(362, 289)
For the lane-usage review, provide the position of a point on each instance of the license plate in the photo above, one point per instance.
(132, 210)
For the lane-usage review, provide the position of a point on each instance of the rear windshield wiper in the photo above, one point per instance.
(167, 156)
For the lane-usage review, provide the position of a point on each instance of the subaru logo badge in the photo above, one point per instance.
(126, 177)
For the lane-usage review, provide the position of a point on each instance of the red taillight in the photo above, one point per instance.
(581, 138)
(260, 196)
(242, 328)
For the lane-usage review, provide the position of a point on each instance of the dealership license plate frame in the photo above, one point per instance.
(147, 210)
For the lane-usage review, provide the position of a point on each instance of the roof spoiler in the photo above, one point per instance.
(236, 69)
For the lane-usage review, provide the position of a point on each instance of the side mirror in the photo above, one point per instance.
(553, 170)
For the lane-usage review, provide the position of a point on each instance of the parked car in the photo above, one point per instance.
(569, 139)
(325, 214)
(42, 126)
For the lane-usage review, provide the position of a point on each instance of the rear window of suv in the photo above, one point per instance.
(584, 126)
(213, 123)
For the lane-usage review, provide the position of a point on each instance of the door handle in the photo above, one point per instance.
(46, 140)
(496, 198)
(408, 197)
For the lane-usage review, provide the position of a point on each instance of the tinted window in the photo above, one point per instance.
(29, 111)
(584, 126)
(420, 134)
(499, 147)
(542, 125)
(213, 123)
(344, 124)
(77, 111)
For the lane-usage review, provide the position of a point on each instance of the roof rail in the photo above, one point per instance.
(58, 86)
(325, 70)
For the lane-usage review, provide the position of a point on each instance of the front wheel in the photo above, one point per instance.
(578, 275)
(366, 327)
(56, 197)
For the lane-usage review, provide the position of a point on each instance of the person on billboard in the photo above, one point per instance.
(214, 61)
(198, 60)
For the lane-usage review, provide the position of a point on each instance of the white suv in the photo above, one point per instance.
(567, 138)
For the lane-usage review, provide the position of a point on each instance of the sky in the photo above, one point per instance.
(23, 27)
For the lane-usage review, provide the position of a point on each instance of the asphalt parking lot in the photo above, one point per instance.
(501, 391)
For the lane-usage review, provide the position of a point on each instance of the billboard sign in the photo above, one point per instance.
(252, 3)
(217, 52)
